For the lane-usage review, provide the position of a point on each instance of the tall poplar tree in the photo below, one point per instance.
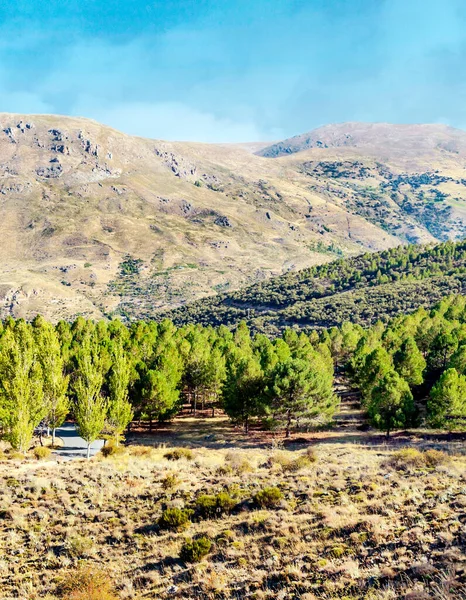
(120, 412)
(55, 382)
(22, 404)
(91, 407)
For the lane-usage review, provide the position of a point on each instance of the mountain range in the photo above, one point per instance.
(99, 223)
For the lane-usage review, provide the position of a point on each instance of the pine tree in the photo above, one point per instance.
(409, 362)
(375, 366)
(120, 412)
(22, 405)
(243, 389)
(390, 403)
(90, 408)
(300, 388)
(458, 360)
(159, 384)
(446, 406)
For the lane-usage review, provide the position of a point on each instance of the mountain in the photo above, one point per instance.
(376, 139)
(363, 290)
(99, 223)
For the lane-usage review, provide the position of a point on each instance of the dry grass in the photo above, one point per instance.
(350, 525)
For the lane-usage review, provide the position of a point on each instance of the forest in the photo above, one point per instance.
(106, 375)
(363, 289)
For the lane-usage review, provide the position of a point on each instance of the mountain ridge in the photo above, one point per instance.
(100, 223)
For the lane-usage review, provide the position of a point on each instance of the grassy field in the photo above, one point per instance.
(347, 522)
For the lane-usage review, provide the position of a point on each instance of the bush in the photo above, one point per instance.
(195, 550)
(433, 458)
(141, 451)
(410, 458)
(301, 462)
(170, 481)
(42, 452)
(214, 506)
(179, 453)
(406, 459)
(111, 449)
(86, 583)
(238, 463)
(269, 497)
(79, 546)
(175, 519)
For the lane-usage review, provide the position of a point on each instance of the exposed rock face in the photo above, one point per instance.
(222, 221)
(179, 166)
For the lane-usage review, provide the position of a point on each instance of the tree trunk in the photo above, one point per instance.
(53, 436)
(150, 424)
(288, 424)
(88, 451)
(195, 403)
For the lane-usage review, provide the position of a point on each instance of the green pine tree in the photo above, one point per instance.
(446, 406)
(409, 362)
(390, 405)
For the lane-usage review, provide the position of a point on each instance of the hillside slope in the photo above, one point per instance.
(99, 223)
(362, 290)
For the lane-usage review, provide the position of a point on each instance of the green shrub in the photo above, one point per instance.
(269, 497)
(42, 452)
(195, 550)
(179, 453)
(175, 519)
(214, 506)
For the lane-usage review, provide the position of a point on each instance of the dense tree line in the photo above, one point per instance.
(412, 370)
(364, 289)
(104, 375)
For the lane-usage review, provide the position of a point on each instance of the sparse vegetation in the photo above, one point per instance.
(311, 530)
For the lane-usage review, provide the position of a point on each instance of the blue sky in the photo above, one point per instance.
(237, 70)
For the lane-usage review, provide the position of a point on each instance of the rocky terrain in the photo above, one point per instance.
(99, 223)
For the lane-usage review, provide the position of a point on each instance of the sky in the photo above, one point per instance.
(234, 70)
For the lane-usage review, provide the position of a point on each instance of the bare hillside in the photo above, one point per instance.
(96, 222)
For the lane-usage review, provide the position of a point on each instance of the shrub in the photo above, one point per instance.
(269, 497)
(406, 459)
(42, 452)
(179, 453)
(141, 451)
(213, 506)
(301, 462)
(86, 583)
(175, 519)
(195, 550)
(433, 458)
(111, 449)
(238, 463)
(78, 546)
(170, 481)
